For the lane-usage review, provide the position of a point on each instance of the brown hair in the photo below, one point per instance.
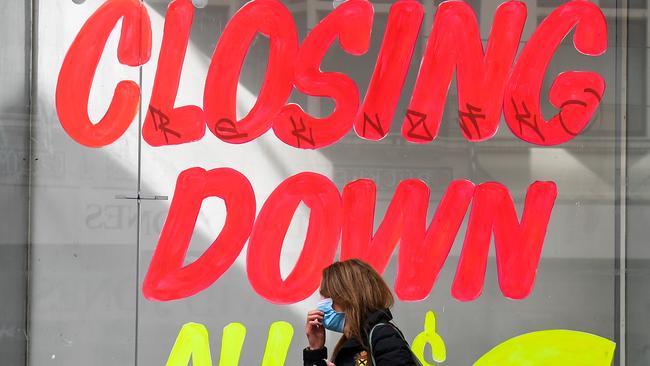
(359, 290)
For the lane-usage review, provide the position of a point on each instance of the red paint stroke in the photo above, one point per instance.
(376, 114)
(164, 124)
(576, 93)
(263, 257)
(518, 245)
(422, 250)
(273, 20)
(167, 278)
(351, 24)
(80, 65)
(455, 45)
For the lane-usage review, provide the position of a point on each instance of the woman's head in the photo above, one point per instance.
(358, 290)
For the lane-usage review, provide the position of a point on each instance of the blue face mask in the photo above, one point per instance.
(333, 320)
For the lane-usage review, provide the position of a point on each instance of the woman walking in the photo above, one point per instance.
(356, 302)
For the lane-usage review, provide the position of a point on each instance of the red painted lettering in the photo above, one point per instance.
(455, 44)
(164, 124)
(263, 257)
(80, 64)
(167, 278)
(423, 250)
(351, 23)
(518, 245)
(576, 93)
(374, 119)
(272, 19)
(487, 83)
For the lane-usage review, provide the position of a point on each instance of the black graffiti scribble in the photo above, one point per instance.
(562, 123)
(376, 124)
(226, 129)
(161, 123)
(576, 102)
(299, 130)
(473, 115)
(594, 92)
(421, 118)
(524, 119)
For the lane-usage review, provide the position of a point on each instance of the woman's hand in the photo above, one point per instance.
(315, 330)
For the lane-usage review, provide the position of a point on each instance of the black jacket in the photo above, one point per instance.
(388, 346)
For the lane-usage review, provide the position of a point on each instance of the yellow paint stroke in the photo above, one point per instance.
(543, 348)
(231, 344)
(277, 345)
(430, 336)
(192, 341)
(551, 347)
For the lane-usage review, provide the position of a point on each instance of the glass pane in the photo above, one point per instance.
(576, 284)
(87, 220)
(638, 210)
(83, 280)
(265, 163)
(14, 178)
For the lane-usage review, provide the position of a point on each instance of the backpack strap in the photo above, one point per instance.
(372, 353)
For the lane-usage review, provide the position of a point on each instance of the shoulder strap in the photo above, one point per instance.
(372, 353)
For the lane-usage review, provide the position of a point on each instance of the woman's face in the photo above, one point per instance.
(336, 306)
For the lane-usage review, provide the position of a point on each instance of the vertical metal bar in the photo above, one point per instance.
(139, 208)
(31, 15)
(621, 176)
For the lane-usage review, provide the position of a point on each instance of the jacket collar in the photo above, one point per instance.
(380, 316)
